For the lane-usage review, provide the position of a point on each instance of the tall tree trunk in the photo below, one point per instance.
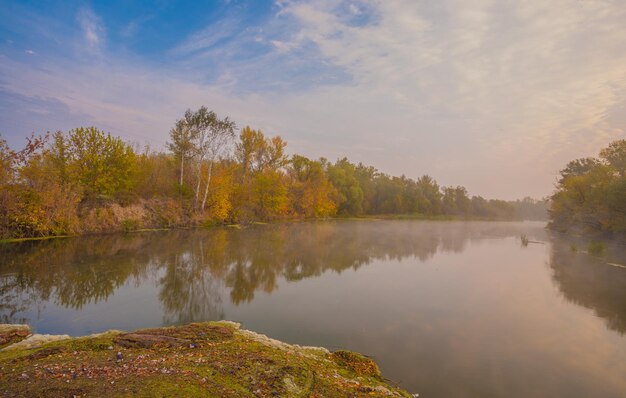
(198, 184)
(182, 169)
(208, 181)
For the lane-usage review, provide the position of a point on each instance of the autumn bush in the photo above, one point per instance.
(165, 213)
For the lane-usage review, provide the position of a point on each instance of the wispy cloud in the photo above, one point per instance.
(530, 82)
(93, 29)
(131, 28)
(495, 96)
(208, 38)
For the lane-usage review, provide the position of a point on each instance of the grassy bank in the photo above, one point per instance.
(16, 240)
(215, 359)
(430, 217)
(140, 226)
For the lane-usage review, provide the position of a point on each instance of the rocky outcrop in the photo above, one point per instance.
(199, 359)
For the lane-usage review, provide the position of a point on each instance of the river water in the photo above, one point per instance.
(447, 309)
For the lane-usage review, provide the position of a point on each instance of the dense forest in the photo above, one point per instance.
(591, 193)
(86, 181)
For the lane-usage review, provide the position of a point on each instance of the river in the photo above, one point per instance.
(447, 309)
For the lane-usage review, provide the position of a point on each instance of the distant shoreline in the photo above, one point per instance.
(416, 217)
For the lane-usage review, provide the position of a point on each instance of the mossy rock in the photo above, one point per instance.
(360, 365)
(213, 359)
(216, 331)
(10, 334)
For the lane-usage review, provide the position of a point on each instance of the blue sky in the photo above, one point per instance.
(492, 95)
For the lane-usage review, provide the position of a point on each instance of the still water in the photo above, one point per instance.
(448, 309)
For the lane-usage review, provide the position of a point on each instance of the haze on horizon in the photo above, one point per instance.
(495, 96)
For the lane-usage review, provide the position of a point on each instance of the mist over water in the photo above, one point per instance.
(449, 309)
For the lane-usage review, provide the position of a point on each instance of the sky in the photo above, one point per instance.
(494, 95)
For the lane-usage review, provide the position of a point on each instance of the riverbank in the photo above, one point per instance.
(199, 359)
(147, 224)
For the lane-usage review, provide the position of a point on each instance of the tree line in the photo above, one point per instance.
(590, 194)
(86, 180)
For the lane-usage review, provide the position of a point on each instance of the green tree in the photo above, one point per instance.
(431, 193)
(100, 163)
(456, 201)
(367, 177)
(578, 167)
(590, 193)
(616, 204)
(343, 176)
(390, 195)
(615, 156)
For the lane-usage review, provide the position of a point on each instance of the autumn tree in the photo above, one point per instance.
(202, 137)
(7, 158)
(33, 201)
(156, 174)
(212, 137)
(219, 201)
(181, 144)
(262, 192)
(257, 153)
(311, 192)
(591, 193)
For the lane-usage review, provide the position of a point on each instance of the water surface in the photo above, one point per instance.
(448, 309)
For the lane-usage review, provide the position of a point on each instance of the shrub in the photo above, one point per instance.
(596, 248)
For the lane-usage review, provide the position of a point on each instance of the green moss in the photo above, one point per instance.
(213, 359)
(357, 363)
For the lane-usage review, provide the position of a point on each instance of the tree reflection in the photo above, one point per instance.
(590, 282)
(70, 273)
(194, 270)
